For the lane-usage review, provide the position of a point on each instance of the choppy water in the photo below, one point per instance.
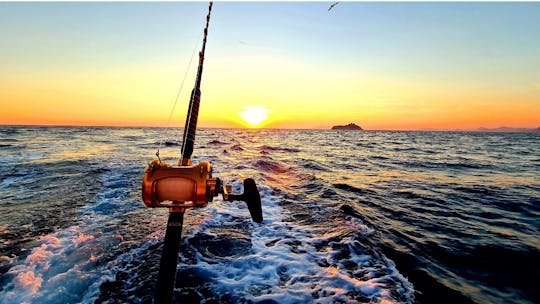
(369, 217)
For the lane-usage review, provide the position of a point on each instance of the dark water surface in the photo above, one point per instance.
(356, 217)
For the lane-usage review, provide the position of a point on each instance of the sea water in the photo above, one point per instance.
(350, 217)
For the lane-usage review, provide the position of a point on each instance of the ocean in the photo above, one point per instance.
(350, 217)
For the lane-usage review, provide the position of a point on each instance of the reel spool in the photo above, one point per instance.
(178, 188)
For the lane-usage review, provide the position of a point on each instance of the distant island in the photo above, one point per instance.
(350, 126)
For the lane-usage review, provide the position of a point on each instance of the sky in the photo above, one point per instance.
(380, 65)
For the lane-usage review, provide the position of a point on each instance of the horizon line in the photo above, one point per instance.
(264, 128)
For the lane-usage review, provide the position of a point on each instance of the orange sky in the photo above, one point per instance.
(65, 69)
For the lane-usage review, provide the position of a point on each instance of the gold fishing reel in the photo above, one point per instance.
(178, 188)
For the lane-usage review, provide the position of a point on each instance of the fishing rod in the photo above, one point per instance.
(187, 186)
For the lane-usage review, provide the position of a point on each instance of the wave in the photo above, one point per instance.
(268, 165)
(216, 142)
(364, 225)
(171, 144)
(467, 165)
(313, 165)
(267, 148)
(349, 188)
(282, 262)
(237, 147)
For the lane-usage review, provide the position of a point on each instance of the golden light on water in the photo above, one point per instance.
(254, 116)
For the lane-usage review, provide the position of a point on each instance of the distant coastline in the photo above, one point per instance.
(509, 130)
(488, 130)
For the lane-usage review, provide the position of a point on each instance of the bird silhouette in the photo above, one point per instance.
(332, 6)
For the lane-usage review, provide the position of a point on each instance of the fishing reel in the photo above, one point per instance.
(178, 188)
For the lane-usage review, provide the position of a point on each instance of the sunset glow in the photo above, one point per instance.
(254, 115)
(380, 65)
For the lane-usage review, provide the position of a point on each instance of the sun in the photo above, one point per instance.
(254, 115)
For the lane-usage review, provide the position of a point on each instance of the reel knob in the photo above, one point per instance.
(252, 198)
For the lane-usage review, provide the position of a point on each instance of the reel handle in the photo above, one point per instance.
(252, 198)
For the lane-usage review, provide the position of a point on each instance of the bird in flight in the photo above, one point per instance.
(332, 6)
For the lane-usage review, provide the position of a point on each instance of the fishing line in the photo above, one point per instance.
(167, 126)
